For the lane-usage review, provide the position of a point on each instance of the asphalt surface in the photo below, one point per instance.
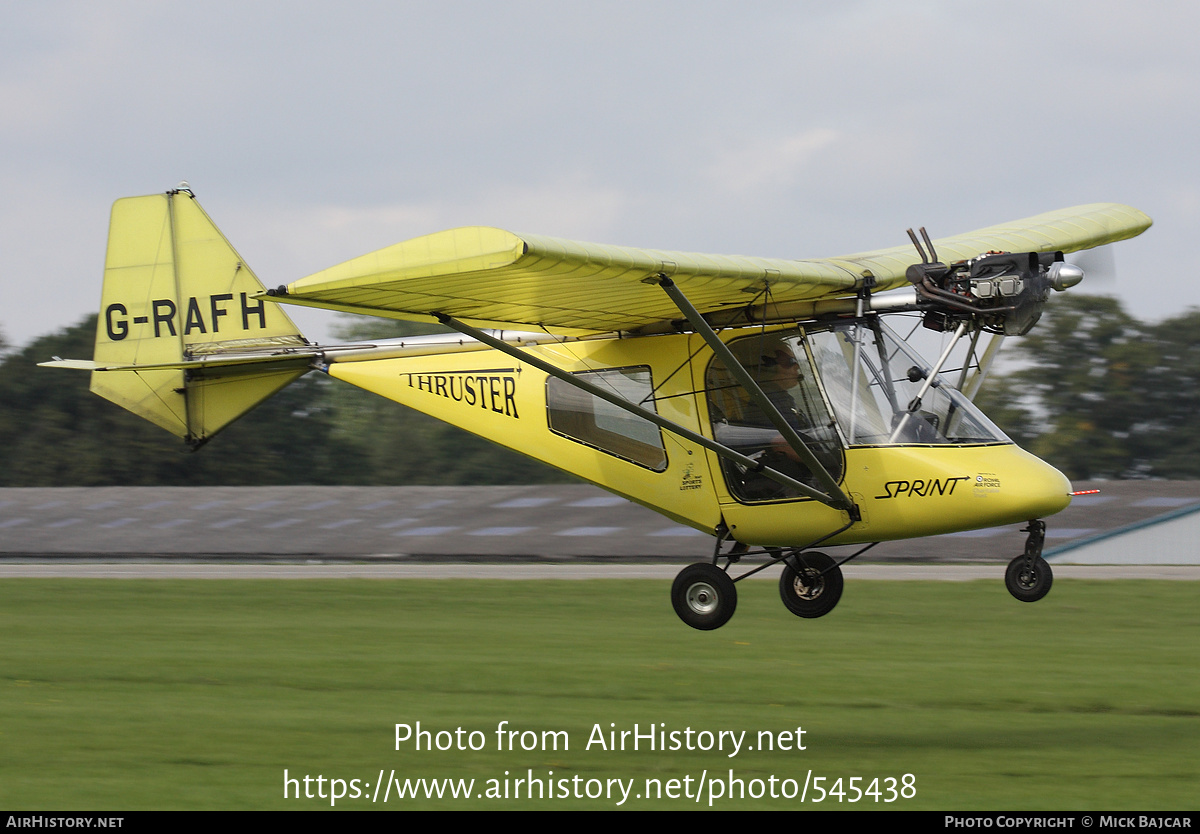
(93, 569)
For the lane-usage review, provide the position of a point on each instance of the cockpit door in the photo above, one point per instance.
(783, 368)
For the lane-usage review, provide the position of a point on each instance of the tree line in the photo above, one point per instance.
(316, 431)
(1094, 391)
(1100, 394)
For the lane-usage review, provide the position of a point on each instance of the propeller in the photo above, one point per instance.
(1099, 265)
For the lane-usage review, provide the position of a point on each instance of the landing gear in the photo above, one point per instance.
(1028, 581)
(811, 584)
(704, 596)
(1029, 577)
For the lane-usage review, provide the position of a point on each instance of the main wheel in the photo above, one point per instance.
(704, 596)
(1028, 584)
(811, 592)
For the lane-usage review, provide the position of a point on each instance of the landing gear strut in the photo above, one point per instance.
(1029, 577)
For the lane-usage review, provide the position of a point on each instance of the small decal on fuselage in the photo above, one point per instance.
(986, 482)
(690, 479)
(492, 389)
(921, 488)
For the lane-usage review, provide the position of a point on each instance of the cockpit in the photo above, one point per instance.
(840, 386)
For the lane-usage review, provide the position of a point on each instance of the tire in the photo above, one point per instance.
(704, 596)
(809, 592)
(1028, 585)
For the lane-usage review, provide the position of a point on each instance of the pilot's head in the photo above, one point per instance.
(780, 366)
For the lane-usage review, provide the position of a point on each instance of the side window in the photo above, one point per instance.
(576, 414)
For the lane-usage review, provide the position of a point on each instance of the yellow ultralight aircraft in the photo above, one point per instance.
(763, 401)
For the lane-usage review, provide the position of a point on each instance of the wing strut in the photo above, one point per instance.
(835, 497)
(840, 503)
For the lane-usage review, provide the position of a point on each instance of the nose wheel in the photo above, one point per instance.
(1028, 581)
(1029, 577)
(704, 596)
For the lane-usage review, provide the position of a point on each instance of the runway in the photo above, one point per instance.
(60, 569)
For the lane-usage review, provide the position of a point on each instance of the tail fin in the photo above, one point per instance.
(178, 306)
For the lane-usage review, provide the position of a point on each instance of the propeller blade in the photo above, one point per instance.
(1099, 268)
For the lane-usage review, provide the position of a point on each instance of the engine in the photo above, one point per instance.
(1003, 292)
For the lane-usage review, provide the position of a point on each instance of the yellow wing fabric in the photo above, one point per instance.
(491, 277)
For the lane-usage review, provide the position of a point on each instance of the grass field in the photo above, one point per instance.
(199, 694)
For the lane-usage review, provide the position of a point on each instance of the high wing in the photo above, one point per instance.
(493, 278)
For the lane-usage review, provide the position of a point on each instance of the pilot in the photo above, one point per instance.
(742, 424)
(775, 368)
(779, 375)
(780, 378)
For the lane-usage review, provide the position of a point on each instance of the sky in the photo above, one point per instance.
(314, 132)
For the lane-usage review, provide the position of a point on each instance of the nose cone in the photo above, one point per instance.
(1010, 486)
(1046, 490)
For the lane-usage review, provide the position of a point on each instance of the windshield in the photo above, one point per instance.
(872, 380)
